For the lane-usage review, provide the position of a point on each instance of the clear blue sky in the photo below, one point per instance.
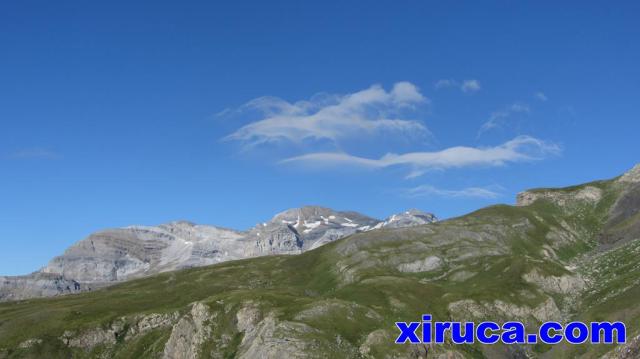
(116, 113)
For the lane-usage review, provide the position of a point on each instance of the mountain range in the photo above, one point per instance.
(565, 254)
(115, 255)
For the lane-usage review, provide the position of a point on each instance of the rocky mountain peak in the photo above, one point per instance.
(420, 213)
(303, 212)
(409, 218)
(299, 229)
(309, 219)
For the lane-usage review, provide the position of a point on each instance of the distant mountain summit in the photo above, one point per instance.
(410, 218)
(124, 253)
(300, 229)
(120, 254)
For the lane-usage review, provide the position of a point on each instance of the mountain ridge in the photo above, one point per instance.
(118, 254)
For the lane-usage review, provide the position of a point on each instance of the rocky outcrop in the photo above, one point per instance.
(631, 176)
(588, 194)
(274, 339)
(265, 335)
(247, 317)
(147, 323)
(421, 265)
(500, 310)
(27, 344)
(91, 338)
(121, 329)
(38, 285)
(188, 336)
(566, 284)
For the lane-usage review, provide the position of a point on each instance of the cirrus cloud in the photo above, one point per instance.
(464, 86)
(468, 192)
(519, 149)
(500, 117)
(333, 117)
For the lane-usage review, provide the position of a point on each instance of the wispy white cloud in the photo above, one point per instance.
(33, 153)
(446, 83)
(464, 85)
(519, 149)
(470, 86)
(541, 96)
(469, 192)
(498, 118)
(333, 117)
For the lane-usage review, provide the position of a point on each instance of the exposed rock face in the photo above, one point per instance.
(500, 310)
(37, 285)
(122, 328)
(565, 284)
(632, 176)
(271, 338)
(273, 239)
(146, 323)
(588, 194)
(29, 343)
(121, 254)
(91, 338)
(421, 265)
(247, 318)
(265, 335)
(188, 336)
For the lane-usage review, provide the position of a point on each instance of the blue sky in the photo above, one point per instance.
(117, 113)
